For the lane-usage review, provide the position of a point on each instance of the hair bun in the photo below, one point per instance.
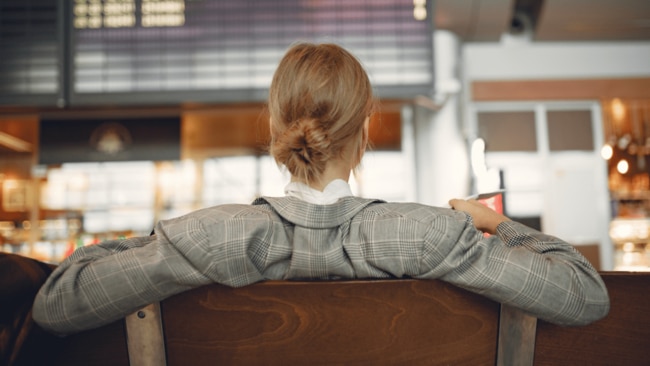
(304, 148)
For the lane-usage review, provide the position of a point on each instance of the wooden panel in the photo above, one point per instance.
(244, 129)
(622, 338)
(601, 20)
(472, 21)
(224, 131)
(385, 131)
(105, 346)
(19, 133)
(356, 322)
(407, 322)
(560, 89)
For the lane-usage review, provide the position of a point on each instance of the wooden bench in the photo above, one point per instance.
(387, 322)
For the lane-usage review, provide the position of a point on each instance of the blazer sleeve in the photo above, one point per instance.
(100, 284)
(522, 267)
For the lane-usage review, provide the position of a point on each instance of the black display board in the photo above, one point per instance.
(31, 53)
(174, 51)
(70, 53)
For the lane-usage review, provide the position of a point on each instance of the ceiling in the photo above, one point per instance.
(545, 20)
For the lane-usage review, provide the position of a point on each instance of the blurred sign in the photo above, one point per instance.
(92, 140)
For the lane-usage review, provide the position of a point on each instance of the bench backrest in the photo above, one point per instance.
(364, 322)
(621, 338)
(357, 322)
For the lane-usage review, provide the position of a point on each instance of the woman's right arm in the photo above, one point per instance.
(521, 267)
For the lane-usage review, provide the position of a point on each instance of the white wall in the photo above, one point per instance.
(432, 134)
(570, 60)
(519, 59)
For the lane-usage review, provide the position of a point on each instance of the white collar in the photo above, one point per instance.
(338, 188)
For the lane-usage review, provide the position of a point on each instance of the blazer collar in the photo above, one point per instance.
(302, 213)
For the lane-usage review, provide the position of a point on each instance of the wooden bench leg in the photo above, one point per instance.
(516, 345)
(144, 336)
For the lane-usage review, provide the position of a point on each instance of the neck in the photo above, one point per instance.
(335, 169)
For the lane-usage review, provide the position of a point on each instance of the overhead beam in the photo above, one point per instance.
(14, 143)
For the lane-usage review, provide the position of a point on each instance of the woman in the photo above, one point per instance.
(320, 102)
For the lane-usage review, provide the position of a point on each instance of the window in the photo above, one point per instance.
(570, 130)
(508, 131)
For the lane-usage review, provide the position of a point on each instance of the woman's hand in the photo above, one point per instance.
(485, 219)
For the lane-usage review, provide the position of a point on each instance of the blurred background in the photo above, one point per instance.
(115, 114)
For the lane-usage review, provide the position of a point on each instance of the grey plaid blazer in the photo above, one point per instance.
(286, 238)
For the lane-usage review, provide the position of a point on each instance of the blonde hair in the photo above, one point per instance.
(319, 99)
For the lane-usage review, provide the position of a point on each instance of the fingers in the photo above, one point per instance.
(458, 203)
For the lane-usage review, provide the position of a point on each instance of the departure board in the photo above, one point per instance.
(30, 61)
(175, 51)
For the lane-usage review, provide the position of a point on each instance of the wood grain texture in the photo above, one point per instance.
(621, 338)
(323, 323)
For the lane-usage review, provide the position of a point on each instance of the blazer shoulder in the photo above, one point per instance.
(414, 211)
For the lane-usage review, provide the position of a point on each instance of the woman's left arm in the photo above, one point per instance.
(102, 283)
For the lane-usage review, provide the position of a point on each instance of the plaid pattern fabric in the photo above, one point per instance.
(286, 238)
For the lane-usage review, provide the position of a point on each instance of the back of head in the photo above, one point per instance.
(319, 99)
